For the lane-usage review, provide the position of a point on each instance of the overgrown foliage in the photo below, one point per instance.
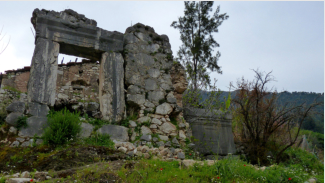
(262, 125)
(100, 140)
(225, 170)
(196, 28)
(64, 126)
(22, 122)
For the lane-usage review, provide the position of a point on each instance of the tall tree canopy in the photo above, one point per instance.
(196, 28)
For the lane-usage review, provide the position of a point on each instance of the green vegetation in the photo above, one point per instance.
(11, 89)
(64, 126)
(198, 43)
(226, 170)
(100, 140)
(21, 122)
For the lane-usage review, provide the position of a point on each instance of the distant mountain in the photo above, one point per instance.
(314, 123)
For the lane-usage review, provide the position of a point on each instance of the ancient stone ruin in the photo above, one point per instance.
(123, 74)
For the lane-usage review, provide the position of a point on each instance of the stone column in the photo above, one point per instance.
(41, 86)
(43, 72)
(111, 86)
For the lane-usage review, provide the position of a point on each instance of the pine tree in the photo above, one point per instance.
(196, 28)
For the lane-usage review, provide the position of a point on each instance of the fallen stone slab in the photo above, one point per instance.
(86, 130)
(12, 118)
(16, 107)
(36, 109)
(35, 126)
(189, 162)
(20, 180)
(119, 133)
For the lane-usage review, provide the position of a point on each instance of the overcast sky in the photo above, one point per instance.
(284, 37)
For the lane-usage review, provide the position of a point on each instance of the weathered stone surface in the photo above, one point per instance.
(150, 84)
(175, 141)
(212, 130)
(144, 119)
(168, 144)
(156, 121)
(119, 133)
(36, 109)
(155, 96)
(146, 138)
(181, 155)
(189, 162)
(12, 130)
(63, 29)
(137, 99)
(14, 144)
(111, 86)
(12, 118)
(25, 174)
(167, 127)
(154, 73)
(132, 89)
(163, 137)
(155, 139)
(86, 130)
(149, 104)
(26, 144)
(92, 106)
(164, 109)
(132, 124)
(18, 180)
(122, 149)
(43, 72)
(145, 130)
(181, 135)
(160, 143)
(153, 126)
(40, 176)
(178, 76)
(16, 107)
(35, 126)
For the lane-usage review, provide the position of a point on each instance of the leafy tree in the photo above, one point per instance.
(196, 28)
(264, 125)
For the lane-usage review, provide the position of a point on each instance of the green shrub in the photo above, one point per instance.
(21, 122)
(100, 140)
(303, 159)
(63, 127)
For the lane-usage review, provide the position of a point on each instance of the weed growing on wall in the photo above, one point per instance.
(22, 122)
(64, 126)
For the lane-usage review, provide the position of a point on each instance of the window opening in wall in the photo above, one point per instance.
(64, 59)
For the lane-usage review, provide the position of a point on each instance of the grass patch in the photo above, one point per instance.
(226, 170)
(11, 89)
(100, 140)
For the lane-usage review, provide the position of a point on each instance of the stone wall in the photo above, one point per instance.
(17, 79)
(151, 89)
(77, 84)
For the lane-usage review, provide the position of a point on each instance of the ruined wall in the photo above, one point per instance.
(17, 79)
(149, 83)
(76, 83)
